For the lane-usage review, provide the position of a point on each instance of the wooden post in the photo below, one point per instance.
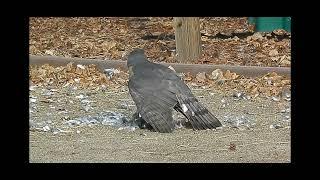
(188, 38)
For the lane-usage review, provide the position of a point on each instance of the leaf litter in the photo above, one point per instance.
(225, 40)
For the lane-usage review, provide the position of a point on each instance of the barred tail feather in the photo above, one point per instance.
(196, 113)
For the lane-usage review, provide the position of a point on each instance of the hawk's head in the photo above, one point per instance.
(136, 56)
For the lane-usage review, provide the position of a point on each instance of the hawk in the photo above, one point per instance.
(158, 90)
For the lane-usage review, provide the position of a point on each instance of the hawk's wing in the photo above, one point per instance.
(155, 106)
(154, 96)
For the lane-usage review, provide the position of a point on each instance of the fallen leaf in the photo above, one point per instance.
(187, 77)
(273, 52)
(201, 77)
(216, 75)
(257, 36)
(106, 45)
(285, 62)
(285, 82)
(230, 76)
(274, 58)
(232, 147)
(50, 52)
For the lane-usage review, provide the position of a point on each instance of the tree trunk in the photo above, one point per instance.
(188, 38)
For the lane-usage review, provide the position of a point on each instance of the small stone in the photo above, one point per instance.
(33, 100)
(123, 106)
(80, 66)
(103, 87)
(72, 122)
(275, 98)
(269, 82)
(31, 88)
(81, 96)
(77, 80)
(111, 72)
(276, 126)
(87, 108)
(237, 94)
(46, 128)
(247, 97)
(67, 84)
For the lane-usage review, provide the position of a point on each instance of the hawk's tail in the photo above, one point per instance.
(196, 113)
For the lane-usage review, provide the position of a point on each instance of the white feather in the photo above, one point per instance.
(184, 108)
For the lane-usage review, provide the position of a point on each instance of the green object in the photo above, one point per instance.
(268, 24)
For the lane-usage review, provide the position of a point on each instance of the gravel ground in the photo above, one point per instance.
(255, 130)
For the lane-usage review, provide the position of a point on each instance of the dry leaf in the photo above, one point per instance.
(50, 52)
(216, 75)
(187, 76)
(275, 58)
(275, 78)
(201, 77)
(106, 45)
(285, 62)
(230, 76)
(273, 52)
(257, 36)
(286, 82)
(249, 85)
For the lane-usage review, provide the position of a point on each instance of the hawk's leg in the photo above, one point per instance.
(140, 122)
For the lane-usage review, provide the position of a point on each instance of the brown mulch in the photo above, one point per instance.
(90, 77)
(225, 40)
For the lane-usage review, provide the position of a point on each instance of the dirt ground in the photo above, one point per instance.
(263, 134)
